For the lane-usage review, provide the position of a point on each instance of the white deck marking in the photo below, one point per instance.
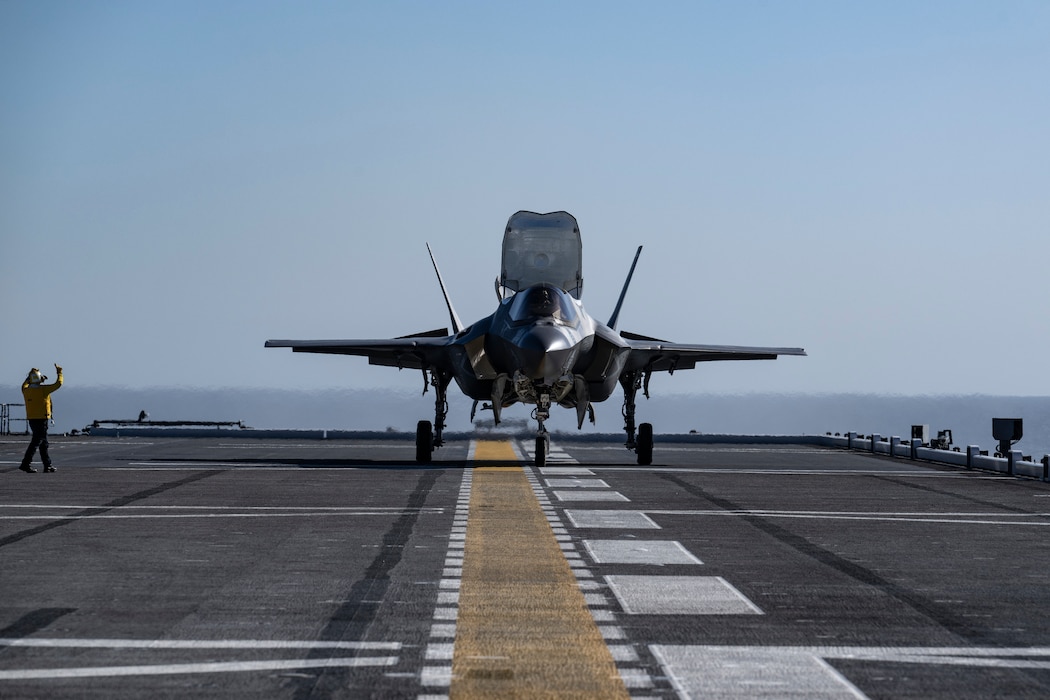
(159, 516)
(916, 473)
(93, 443)
(761, 449)
(314, 445)
(566, 471)
(588, 495)
(658, 552)
(777, 672)
(679, 595)
(576, 483)
(636, 678)
(1002, 657)
(214, 667)
(598, 603)
(73, 643)
(1011, 519)
(752, 673)
(619, 519)
(438, 653)
(198, 465)
(555, 453)
(369, 509)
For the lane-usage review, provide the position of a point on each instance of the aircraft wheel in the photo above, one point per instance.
(541, 451)
(645, 444)
(424, 442)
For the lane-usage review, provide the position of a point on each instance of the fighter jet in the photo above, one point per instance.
(540, 347)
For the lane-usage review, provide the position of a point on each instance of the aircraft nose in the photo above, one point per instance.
(546, 353)
(545, 339)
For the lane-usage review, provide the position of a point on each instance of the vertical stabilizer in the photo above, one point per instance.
(457, 325)
(623, 292)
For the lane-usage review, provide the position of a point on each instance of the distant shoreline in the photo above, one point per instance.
(968, 416)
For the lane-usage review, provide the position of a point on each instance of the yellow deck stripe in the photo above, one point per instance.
(523, 629)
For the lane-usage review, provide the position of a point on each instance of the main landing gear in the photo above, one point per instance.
(428, 435)
(640, 441)
(424, 442)
(643, 443)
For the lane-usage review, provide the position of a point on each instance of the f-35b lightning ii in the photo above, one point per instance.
(540, 347)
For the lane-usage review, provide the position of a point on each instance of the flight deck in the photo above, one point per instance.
(232, 567)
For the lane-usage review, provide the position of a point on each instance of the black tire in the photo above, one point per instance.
(645, 444)
(424, 442)
(541, 451)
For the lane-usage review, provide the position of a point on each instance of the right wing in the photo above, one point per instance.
(419, 351)
(660, 355)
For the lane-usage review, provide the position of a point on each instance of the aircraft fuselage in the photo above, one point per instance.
(540, 341)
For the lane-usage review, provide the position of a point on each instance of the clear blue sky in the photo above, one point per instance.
(180, 181)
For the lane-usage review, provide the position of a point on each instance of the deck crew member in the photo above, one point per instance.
(37, 396)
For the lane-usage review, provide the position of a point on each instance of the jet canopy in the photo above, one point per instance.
(543, 301)
(542, 248)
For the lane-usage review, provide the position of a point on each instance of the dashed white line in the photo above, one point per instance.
(623, 654)
(437, 671)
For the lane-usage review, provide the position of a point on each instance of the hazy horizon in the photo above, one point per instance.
(968, 416)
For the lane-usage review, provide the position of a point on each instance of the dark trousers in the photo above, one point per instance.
(39, 428)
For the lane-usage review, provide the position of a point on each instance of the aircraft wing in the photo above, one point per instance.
(660, 355)
(409, 352)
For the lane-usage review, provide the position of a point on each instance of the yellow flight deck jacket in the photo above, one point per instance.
(38, 398)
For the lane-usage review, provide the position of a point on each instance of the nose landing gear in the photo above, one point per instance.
(543, 438)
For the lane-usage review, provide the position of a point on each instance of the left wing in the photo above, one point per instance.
(419, 351)
(652, 354)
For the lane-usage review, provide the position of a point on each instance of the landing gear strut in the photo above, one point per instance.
(643, 444)
(428, 436)
(543, 438)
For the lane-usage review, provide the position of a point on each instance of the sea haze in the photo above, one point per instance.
(969, 417)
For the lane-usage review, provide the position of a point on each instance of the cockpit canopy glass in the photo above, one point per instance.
(542, 248)
(543, 301)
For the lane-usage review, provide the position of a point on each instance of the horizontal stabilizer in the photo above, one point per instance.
(635, 336)
(436, 333)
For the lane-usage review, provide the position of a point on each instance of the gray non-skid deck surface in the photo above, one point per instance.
(248, 568)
